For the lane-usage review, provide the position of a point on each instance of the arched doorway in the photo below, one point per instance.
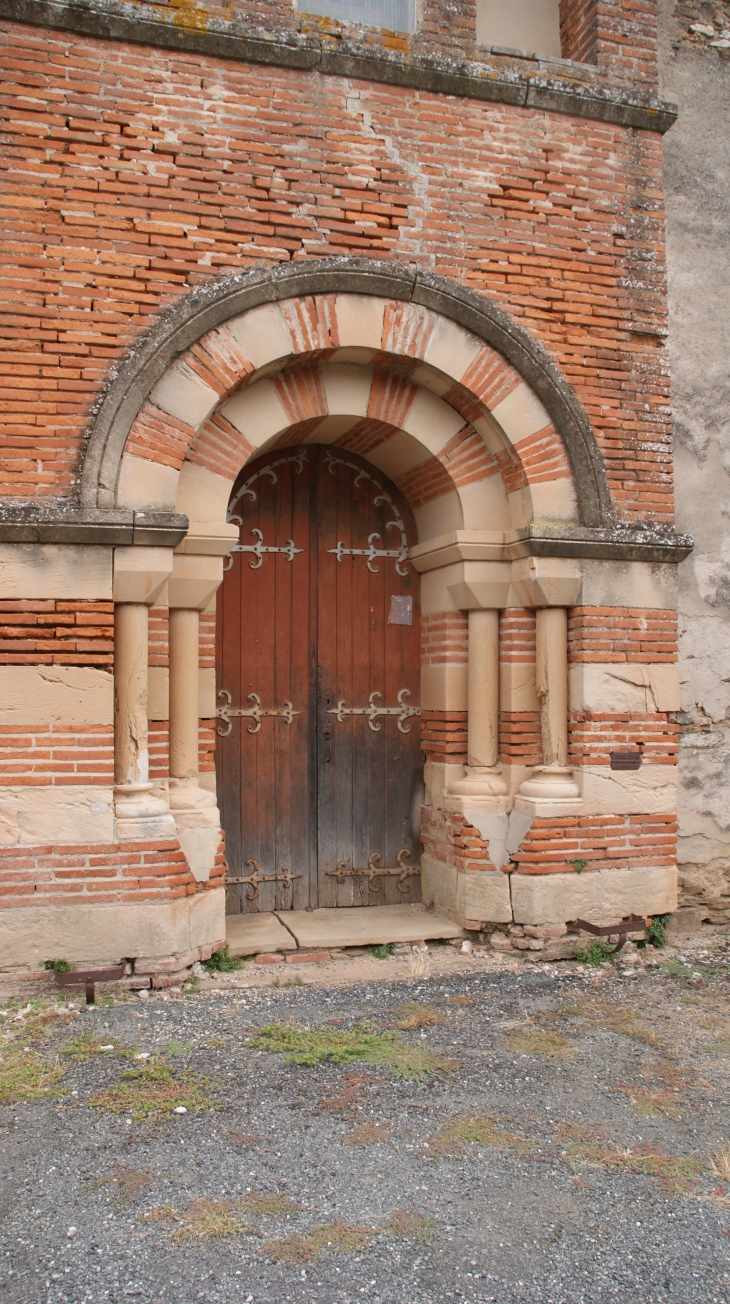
(320, 769)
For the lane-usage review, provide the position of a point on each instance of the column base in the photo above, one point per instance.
(197, 823)
(481, 788)
(140, 817)
(551, 790)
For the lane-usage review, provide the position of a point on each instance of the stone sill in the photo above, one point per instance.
(554, 88)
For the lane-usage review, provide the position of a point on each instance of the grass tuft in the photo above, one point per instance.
(221, 962)
(598, 950)
(151, 1093)
(412, 1015)
(368, 1133)
(384, 951)
(648, 1103)
(25, 1076)
(411, 1226)
(303, 1247)
(386, 1050)
(130, 1183)
(537, 1041)
(677, 1174)
(482, 1130)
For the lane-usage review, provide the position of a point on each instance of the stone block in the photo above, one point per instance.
(56, 815)
(685, 923)
(140, 574)
(47, 694)
(36, 571)
(267, 957)
(602, 897)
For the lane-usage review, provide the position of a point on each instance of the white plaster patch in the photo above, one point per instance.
(43, 815)
(184, 395)
(49, 694)
(146, 486)
(35, 571)
(263, 335)
(257, 412)
(521, 414)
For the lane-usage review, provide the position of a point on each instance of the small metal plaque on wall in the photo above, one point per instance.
(625, 760)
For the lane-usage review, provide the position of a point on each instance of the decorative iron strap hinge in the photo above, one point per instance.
(374, 873)
(259, 548)
(256, 713)
(286, 877)
(372, 711)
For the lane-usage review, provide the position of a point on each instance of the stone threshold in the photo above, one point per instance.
(333, 929)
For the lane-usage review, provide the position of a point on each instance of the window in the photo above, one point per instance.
(529, 25)
(395, 15)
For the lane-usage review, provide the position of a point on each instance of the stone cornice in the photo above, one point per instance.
(61, 523)
(545, 86)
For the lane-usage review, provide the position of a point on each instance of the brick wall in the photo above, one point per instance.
(621, 634)
(43, 754)
(592, 738)
(95, 875)
(56, 633)
(444, 736)
(578, 23)
(604, 841)
(135, 175)
(444, 638)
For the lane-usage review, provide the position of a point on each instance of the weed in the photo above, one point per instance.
(625, 1023)
(269, 1206)
(461, 1000)
(411, 1015)
(176, 1048)
(596, 952)
(289, 982)
(536, 1041)
(385, 1050)
(411, 1226)
(573, 1012)
(679, 969)
(579, 865)
(676, 1173)
(656, 931)
(214, 1043)
(419, 963)
(244, 1139)
(721, 1047)
(647, 1103)
(340, 1237)
(368, 1133)
(150, 1093)
(720, 1163)
(203, 1218)
(482, 1131)
(192, 984)
(82, 1048)
(348, 1096)
(24, 1075)
(383, 952)
(221, 962)
(130, 1183)
(58, 966)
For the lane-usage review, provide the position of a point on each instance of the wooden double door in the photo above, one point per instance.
(319, 758)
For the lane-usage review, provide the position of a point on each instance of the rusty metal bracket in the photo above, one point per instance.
(403, 711)
(255, 713)
(88, 978)
(629, 924)
(374, 873)
(253, 879)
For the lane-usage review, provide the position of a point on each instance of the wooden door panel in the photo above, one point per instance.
(313, 629)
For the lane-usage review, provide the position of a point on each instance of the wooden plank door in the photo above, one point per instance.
(369, 766)
(319, 795)
(265, 657)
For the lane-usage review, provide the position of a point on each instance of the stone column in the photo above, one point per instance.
(140, 574)
(197, 820)
(483, 772)
(552, 783)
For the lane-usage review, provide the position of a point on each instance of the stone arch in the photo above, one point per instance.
(244, 362)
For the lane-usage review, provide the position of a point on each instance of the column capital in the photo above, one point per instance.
(140, 574)
(194, 581)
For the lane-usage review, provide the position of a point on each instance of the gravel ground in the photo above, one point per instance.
(573, 1146)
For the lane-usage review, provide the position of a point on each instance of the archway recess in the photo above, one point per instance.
(231, 366)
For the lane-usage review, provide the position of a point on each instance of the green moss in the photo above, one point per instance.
(151, 1093)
